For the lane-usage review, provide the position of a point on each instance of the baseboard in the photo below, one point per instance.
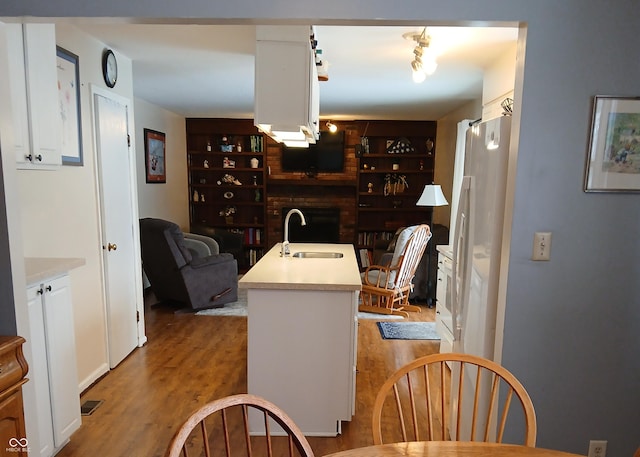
(93, 377)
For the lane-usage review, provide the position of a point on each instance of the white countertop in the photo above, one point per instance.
(40, 268)
(275, 272)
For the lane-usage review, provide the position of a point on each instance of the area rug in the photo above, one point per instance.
(239, 308)
(408, 330)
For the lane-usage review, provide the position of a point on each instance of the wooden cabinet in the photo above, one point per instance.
(286, 83)
(226, 164)
(13, 369)
(54, 370)
(34, 95)
(396, 162)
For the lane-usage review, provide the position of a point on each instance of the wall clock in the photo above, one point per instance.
(109, 68)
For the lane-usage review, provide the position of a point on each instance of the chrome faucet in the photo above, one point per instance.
(284, 251)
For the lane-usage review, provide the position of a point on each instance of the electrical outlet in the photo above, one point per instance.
(597, 448)
(541, 246)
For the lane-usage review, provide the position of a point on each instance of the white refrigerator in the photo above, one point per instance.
(477, 241)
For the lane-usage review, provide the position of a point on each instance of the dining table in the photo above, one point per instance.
(450, 449)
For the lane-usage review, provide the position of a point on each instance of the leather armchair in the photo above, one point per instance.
(176, 274)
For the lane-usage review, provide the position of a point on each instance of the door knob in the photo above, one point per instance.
(112, 247)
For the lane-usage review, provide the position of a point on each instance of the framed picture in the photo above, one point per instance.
(69, 98)
(154, 156)
(613, 164)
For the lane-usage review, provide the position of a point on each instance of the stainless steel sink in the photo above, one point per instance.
(317, 255)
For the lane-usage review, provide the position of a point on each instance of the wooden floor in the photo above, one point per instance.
(190, 360)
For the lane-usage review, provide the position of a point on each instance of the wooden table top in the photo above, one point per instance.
(450, 449)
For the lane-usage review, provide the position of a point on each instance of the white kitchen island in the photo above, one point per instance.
(302, 335)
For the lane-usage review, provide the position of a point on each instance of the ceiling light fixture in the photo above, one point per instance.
(424, 61)
(333, 128)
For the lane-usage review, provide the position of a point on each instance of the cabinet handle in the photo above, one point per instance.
(40, 291)
(39, 157)
(29, 157)
(48, 288)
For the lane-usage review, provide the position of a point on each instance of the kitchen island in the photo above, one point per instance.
(302, 334)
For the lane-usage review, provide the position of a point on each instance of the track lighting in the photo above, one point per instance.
(333, 128)
(424, 62)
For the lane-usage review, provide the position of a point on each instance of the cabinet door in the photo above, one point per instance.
(42, 93)
(61, 353)
(38, 396)
(17, 82)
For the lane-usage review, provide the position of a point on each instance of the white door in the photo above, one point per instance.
(117, 214)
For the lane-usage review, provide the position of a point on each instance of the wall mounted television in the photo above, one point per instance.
(326, 155)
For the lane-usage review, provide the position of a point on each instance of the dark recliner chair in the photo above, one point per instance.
(176, 274)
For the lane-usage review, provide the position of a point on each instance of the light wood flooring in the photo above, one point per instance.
(190, 360)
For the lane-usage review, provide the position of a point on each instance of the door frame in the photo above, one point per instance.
(133, 207)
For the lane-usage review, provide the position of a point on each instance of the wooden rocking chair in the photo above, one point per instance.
(386, 289)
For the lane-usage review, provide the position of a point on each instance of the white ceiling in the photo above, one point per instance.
(207, 70)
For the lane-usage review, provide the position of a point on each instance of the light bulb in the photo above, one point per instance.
(418, 76)
(333, 128)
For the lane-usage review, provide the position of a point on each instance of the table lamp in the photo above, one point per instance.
(431, 196)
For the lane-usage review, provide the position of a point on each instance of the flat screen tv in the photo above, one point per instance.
(326, 155)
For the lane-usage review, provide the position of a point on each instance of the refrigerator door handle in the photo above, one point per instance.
(460, 224)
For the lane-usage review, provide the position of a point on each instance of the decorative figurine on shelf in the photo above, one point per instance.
(203, 180)
(228, 213)
(202, 197)
(394, 183)
(196, 196)
(258, 196)
(228, 163)
(225, 146)
(429, 143)
(421, 164)
(255, 180)
(229, 179)
(239, 147)
(206, 164)
(208, 146)
(370, 187)
(254, 162)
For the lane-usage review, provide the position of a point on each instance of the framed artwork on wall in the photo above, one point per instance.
(154, 156)
(69, 97)
(613, 163)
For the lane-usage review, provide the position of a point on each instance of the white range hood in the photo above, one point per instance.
(287, 106)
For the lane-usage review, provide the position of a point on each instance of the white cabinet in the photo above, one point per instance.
(444, 322)
(34, 95)
(53, 368)
(287, 103)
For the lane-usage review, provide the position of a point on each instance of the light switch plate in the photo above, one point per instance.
(541, 246)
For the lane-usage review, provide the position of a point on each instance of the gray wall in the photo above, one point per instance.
(571, 324)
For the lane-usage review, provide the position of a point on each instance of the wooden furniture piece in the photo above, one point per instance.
(302, 334)
(13, 369)
(381, 213)
(386, 289)
(215, 427)
(450, 449)
(427, 407)
(218, 149)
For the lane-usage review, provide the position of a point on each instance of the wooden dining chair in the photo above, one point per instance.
(470, 401)
(386, 288)
(221, 427)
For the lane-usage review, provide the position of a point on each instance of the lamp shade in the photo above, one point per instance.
(432, 196)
